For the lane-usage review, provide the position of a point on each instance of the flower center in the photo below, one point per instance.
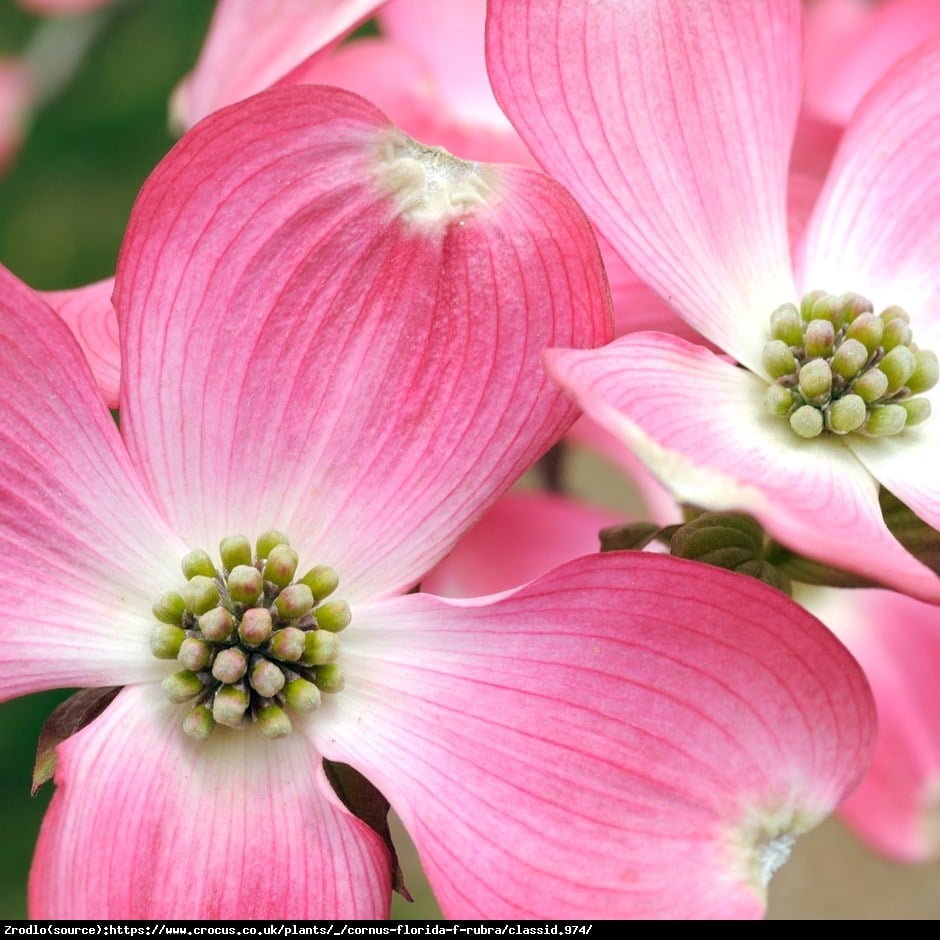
(252, 641)
(839, 367)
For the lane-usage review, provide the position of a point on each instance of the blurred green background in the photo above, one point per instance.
(64, 203)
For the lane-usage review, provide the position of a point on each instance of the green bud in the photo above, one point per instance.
(230, 705)
(256, 626)
(778, 359)
(808, 302)
(853, 306)
(273, 722)
(194, 654)
(287, 645)
(201, 594)
(234, 551)
(165, 641)
(266, 678)
(169, 608)
(245, 584)
(818, 339)
(217, 625)
(281, 565)
(786, 325)
(294, 601)
(267, 540)
(182, 686)
(334, 616)
(320, 647)
(894, 312)
(868, 330)
(199, 723)
(897, 332)
(779, 400)
(230, 665)
(926, 372)
(918, 410)
(846, 414)
(330, 679)
(816, 380)
(886, 420)
(871, 386)
(197, 562)
(301, 695)
(898, 366)
(828, 308)
(807, 421)
(849, 359)
(322, 581)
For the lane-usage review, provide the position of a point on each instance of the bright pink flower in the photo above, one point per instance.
(672, 124)
(328, 328)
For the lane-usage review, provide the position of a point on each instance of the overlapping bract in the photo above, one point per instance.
(673, 125)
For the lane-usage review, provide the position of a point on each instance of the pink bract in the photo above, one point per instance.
(673, 125)
(896, 640)
(328, 328)
(252, 46)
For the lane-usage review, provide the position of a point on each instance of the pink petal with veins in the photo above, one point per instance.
(671, 123)
(700, 425)
(84, 555)
(91, 318)
(351, 319)
(629, 736)
(146, 823)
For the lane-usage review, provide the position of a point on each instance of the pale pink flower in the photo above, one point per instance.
(328, 328)
(672, 123)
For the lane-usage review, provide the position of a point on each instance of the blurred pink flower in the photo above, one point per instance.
(16, 99)
(327, 327)
(673, 127)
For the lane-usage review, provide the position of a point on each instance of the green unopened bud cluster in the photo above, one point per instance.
(253, 640)
(839, 367)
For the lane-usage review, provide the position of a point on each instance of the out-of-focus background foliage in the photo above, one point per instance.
(64, 203)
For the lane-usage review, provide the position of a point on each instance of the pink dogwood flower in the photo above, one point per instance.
(672, 124)
(895, 638)
(329, 328)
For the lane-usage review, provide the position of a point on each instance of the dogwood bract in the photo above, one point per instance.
(672, 124)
